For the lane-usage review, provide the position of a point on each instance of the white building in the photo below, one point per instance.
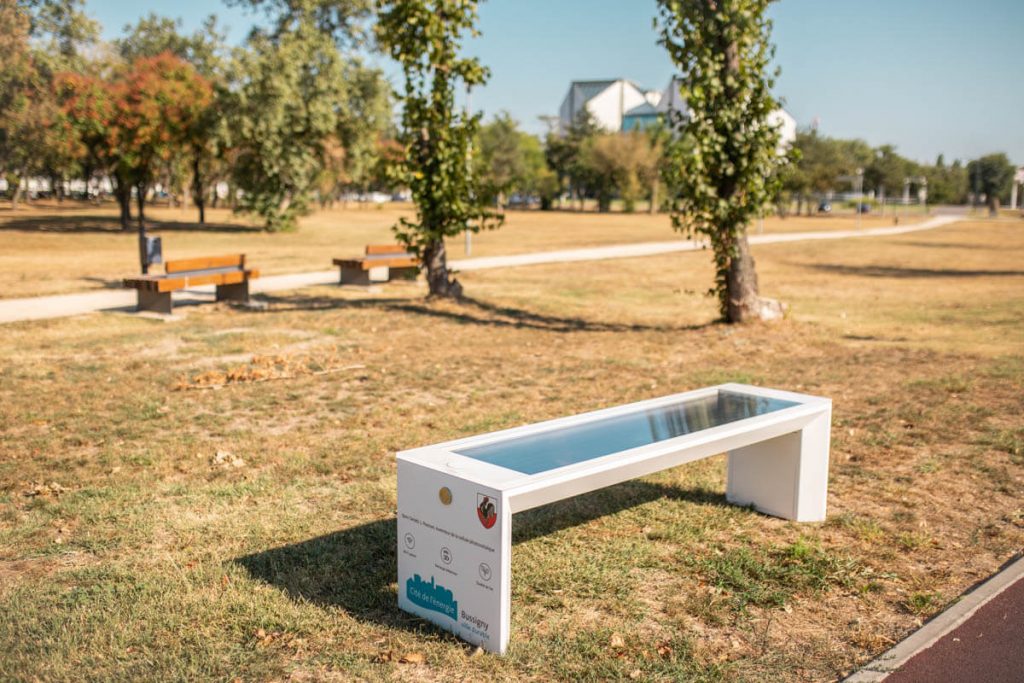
(610, 102)
(622, 105)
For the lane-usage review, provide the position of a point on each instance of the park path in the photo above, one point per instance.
(64, 305)
(977, 638)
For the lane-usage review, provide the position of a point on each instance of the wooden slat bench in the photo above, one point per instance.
(381, 263)
(228, 273)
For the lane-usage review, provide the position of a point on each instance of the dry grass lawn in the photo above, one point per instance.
(55, 249)
(213, 497)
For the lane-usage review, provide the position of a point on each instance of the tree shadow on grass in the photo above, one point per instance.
(899, 272)
(51, 224)
(470, 311)
(356, 569)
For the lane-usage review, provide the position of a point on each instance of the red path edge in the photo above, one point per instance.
(987, 648)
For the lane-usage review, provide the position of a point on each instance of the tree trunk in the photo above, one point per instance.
(15, 192)
(436, 259)
(123, 193)
(743, 301)
(140, 188)
(124, 204)
(993, 205)
(198, 196)
(653, 208)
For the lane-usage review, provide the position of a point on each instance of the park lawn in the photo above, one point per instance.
(155, 526)
(52, 248)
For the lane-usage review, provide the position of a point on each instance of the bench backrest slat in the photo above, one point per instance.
(386, 249)
(205, 263)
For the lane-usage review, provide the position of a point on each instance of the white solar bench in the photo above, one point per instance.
(456, 499)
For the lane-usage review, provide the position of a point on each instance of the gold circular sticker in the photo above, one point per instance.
(445, 495)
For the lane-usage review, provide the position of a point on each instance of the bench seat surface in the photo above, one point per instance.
(181, 279)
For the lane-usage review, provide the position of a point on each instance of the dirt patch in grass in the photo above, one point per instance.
(192, 566)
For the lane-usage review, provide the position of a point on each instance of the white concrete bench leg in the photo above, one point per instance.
(454, 569)
(786, 476)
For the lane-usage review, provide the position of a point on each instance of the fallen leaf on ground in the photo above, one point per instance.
(226, 459)
(412, 658)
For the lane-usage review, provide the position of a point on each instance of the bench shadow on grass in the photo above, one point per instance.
(355, 569)
(469, 311)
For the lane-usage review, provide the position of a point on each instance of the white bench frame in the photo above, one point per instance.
(778, 463)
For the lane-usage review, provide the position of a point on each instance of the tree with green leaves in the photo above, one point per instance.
(511, 161)
(307, 115)
(991, 176)
(425, 37)
(947, 184)
(721, 168)
(565, 154)
(623, 165)
(283, 116)
(888, 172)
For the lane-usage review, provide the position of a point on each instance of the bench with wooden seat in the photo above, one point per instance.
(229, 274)
(381, 263)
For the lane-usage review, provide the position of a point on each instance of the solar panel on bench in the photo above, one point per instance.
(570, 445)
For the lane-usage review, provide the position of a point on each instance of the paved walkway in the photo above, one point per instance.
(42, 307)
(979, 638)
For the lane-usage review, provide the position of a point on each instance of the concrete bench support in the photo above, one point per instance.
(238, 291)
(456, 499)
(156, 302)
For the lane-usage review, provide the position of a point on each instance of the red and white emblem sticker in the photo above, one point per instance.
(486, 510)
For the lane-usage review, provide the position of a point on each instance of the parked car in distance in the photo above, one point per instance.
(824, 207)
(863, 208)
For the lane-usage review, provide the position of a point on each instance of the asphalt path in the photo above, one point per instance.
(988, 647)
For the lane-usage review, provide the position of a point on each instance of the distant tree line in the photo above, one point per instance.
(586, 162)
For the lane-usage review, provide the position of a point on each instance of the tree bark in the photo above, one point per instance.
(435, 258)
(198, 196)
(653, 208)
(140, 199)
(15, 193)
(744, 303)
(993, 205)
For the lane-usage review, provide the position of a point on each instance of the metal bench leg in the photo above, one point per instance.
(157, 302)
(786, 476)
(235, 292)
(355, 276)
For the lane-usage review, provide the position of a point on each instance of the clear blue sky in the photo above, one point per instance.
(926, 76)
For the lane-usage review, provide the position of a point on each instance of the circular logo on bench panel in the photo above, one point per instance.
(445, 494)
(486, 510)
(485, 571)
